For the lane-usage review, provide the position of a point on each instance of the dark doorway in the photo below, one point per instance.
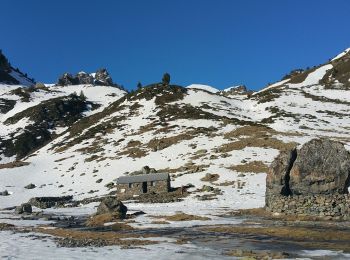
(144, 187)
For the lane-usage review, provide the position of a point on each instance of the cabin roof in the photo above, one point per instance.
(142, 178)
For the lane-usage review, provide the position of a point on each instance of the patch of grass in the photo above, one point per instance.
(100, 220)
(108, 238)
(210, 177)
(254, 166)
(160, 222)
(256, 142)
(14, 164)
(182, 217)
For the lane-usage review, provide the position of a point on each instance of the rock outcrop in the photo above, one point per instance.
(48, 202)
(313, 180)
(100, 78)
(24, 208)
(112, 205)
(321, 166)
(103, 78)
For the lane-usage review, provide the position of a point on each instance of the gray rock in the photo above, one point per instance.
(48, 202)
(113, 206)
(85, 78)
(322, 167)
(4, 193)
(24, 208)
(103, 78)
(30, 186)
(145, 170)
(67, 79)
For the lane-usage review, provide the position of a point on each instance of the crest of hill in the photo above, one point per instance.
(334, 74)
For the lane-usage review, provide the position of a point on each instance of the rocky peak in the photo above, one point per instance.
(100, 78)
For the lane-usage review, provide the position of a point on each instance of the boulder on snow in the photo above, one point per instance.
(111, 205)
(4, 193)
(24, 208)
(321, 166)
(30, 186)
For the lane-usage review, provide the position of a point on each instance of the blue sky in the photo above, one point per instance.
(216, 42)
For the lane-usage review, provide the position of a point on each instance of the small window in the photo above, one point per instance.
(130, 185)
(153, 183)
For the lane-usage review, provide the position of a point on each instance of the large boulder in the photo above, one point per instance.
(112, 205)
(321, 166)
(277, 181)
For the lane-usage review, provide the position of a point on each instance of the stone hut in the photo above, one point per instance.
(143, 183)
(313, 180)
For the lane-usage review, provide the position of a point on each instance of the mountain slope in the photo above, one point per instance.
(187, 132)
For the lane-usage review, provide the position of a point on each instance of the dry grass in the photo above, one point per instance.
(182, 217)
(100, 220)
(256, 131)
(134, 152)
(160, 222)
(13, 164)
(109, 237)
(300, 234)
(210, 177)
(256, 142)
(162, 143)
(255, 166)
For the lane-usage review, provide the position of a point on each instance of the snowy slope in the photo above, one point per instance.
(188, 132)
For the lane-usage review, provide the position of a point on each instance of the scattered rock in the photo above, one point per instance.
(4, 193)
(24, 208)
(49, 202)
(112, 205)
(30, 186)
(210, 177)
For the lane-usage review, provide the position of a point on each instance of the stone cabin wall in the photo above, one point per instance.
(336, 206)
(137, 188)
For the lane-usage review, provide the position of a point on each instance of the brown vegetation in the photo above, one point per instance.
(13, 164)
(254, 166)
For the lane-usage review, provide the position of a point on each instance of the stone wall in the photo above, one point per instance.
(336, 206)
(137, 188)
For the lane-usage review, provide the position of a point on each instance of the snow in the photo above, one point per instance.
(231, 88)
(41, 247)
(314, 77)
(340, 55)
(203, 87)
(21, 78)
(277, 84)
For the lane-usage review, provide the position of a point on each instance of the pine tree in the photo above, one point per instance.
(166, 79)
(139, 85)
(82, 96)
